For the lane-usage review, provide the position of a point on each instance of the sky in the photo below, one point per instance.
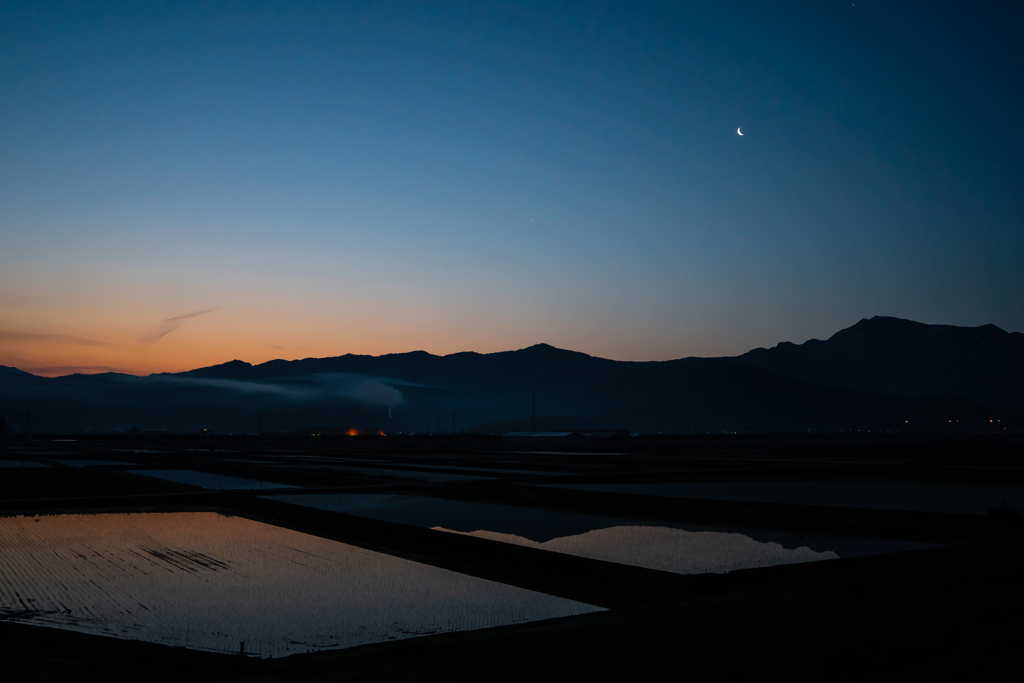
(183, 184)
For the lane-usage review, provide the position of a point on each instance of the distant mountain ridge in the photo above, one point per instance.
(880, 373)
(539, 366)
(895, 356)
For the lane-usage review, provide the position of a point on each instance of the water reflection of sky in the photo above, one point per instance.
(207, 480)
(484, 470)
(395, 469)
(667, 549)
(972, 500)
(93, 463)
(410, 475)
(206, 581)
(681, 548)
(21, 463)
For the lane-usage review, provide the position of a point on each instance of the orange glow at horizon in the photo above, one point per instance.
(43, 346)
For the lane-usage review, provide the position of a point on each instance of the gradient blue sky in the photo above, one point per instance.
(376, 177)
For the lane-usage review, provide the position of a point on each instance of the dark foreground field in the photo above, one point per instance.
(949, 613)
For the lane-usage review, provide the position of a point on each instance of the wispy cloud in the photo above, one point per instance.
(170, 325)
(37, 367)
(235, 385)
(12, 336)
(373, 391)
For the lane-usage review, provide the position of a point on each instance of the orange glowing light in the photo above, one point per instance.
(363, 431)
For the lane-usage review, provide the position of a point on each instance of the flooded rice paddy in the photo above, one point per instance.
(666, 549)
(962, 499)
(211, 582)
(494, 470)
(678, 548)
(482, 470)
(409, 475)
(216, 482)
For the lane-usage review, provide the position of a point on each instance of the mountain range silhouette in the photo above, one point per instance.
(881, 374)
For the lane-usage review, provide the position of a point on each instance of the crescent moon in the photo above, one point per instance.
(738, 131)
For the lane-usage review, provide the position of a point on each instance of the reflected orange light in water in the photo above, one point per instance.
(208, 581)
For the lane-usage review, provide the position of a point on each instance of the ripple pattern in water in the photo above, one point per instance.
(206, 581)
(671, 550)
